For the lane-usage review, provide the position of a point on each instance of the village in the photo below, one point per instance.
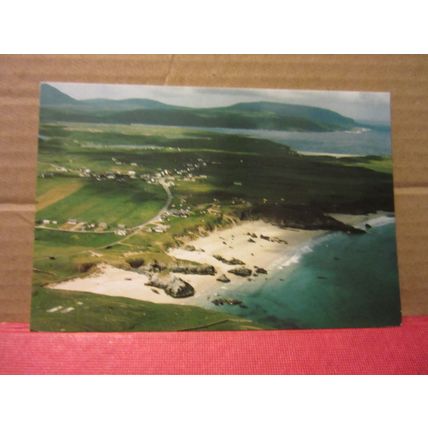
(164, 177)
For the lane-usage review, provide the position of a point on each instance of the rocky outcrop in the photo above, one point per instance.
(136, 262)
(223, 278)
(273, 239)
(86, 266)
(232, 261)
(220, 301)
(252, 235)
(172, 285)
(251, 240)
(278, 240)
(261, 270)
(156, 266)
(203, 269)
(300, 217)
(189, 248)
(241, 271)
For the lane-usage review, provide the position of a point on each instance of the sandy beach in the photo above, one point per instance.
(111, 281)
(234, 242)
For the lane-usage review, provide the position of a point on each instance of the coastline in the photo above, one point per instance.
(234, 242)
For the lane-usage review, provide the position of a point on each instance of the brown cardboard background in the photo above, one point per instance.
(406, 77)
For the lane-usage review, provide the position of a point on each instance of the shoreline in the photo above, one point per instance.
(233, 242)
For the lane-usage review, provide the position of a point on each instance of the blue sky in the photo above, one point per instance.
(374, 106)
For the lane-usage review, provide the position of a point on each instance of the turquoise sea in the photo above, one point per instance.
(337, 280)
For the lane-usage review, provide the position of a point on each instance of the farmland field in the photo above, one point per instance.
(131, 203)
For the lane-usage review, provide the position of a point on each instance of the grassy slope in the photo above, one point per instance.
(130, 203)
(375, 163)
(51, 191)
(105, 313)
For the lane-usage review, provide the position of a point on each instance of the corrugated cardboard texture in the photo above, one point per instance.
(406, 77)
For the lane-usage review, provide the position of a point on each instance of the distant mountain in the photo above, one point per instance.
(315, 114)
(56, 106)
(128, 104)
(50, 96)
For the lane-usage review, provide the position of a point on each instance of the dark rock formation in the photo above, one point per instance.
(157, 266)
(86, 266)
(241, 271)
(220, 301)
(278, 240)
(301, 217)
(189, 248)
(251, 240)
(223, 278)
(261, 270)
(172, 285)
(203, 269)
(135, 262)
(231, 261)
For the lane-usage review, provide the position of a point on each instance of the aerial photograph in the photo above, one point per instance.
(162, 208)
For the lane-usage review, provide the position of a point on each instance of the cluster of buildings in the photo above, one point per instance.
(73, 224)
(187, 173)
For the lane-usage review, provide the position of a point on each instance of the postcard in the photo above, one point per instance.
(165, 208)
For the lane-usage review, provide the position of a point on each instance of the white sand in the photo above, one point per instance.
(334, 155)
(232, 242)
(112, 281)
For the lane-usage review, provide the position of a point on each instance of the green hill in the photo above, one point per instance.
(56, 106)
(52, 97)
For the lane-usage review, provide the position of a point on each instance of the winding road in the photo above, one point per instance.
(135, 230)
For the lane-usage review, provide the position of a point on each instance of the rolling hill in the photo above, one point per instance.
(57, 106)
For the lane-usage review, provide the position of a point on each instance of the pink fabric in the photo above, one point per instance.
(398, 350)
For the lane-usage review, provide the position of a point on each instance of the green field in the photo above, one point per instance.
(130, 203)
(375, 163)
(103, 313)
